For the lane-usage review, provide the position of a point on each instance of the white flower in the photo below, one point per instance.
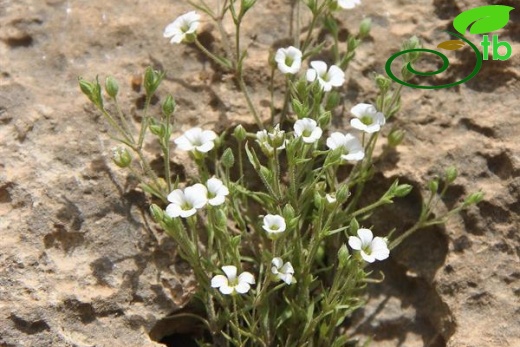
(268, 140)
(283, 271)
(371, 247)
(185, 203)
(217, 191)
(352, 148)
(289, 60)
(334, 77)
(308, 129)
(274, 224)
(230, 283)
(368, 119)
(184, 25)
(331, 198)
(348, 4)
(197, 139)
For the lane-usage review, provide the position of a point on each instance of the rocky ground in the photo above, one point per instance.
(82, 265)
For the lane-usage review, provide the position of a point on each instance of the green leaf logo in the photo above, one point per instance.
(485, 18)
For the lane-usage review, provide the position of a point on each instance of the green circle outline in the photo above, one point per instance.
(445, 65)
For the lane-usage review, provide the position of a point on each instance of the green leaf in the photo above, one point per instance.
(485, 18)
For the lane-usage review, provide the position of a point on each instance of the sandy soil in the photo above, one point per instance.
(80, 264)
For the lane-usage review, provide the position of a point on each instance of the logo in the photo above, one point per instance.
(483, 20)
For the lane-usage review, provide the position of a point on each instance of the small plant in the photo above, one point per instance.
(285, 264)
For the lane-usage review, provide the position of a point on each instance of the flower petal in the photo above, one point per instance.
(362, 109)
(367, 257)
(319, 66)
(230, 271)
(365, 235)
(218, 281)
(242, 287)
(177, 197)
(278, 262)
(358, 124)
(173, 210)
(355, 243)
(226, 289)
(246, 277)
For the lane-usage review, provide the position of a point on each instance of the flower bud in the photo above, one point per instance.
(352, 43)
(157, 213)
(402, 190)
(324, 119)
(343, 256)
(221, 218)
(92, 91)
(395, 137)
(152, 79)
(383, 83)
(450, 174)
(474, 198)
(246, 5)
(343, 193)
(288, 212)
(111, 86)
(157, 129)
(330, 24)
(433, 185)
(277, 137)
(121, 157)
(168, 106)
(299, 108)
(332, 100)
(364, 28)
(227, 159)
(240, 133)
(318, 199)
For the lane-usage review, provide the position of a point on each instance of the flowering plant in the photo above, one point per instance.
(286, 263)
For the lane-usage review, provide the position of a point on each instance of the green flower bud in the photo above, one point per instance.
(228, 159)
(240, 133)
(221, 218)
(395, 137)
(288, 212)
(352, 43)
(93, 91)
(343, 256)
(451, 174)
(277, 137)
(343, 193)
(168, 106)
(402, 190)
(111, 86)
(433, 185)
(298, 108)
(332, 100)
(157, 129)
(354, 226)
(318, 199)
(474, 198)
(324, 119)
(330, 24)
(157, 213)
(121, 157)
(364, 28)
(152, 80)
(383, 83)
(246, 5)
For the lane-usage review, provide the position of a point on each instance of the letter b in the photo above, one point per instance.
(497, 44)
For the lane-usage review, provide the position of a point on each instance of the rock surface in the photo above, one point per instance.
(81, 264)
